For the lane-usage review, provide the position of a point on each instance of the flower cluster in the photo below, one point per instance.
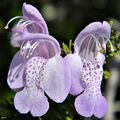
(38, 67)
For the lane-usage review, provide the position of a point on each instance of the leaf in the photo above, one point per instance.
(107, 74)
(66, 49)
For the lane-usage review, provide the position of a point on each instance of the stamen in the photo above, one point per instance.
(91, 36)
(6, 27)
(82, 41)
(112, 49)
(107, 40)
(27, 49)
(96, 41)
(30, 52)
(98, 47)
(28, 23)
(25, 23)
(20, 21)
(87, 48)
(22, 48)
(22, 24)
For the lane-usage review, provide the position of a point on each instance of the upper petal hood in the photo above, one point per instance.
(96, 29)
(31, 13)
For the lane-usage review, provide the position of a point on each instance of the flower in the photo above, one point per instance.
(31, 21)
(36, 69)
(86, 66)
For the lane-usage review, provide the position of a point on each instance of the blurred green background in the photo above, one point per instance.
(65, 19)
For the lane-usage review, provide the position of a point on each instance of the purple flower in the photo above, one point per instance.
(35, 70)
(86, 66)
(31, 21)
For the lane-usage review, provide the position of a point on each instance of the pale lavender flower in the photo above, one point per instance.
(35, 70)
(86, 66)
(31, 21)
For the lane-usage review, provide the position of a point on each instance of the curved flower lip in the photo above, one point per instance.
(39, 36)
(95, 28)
(31, 13)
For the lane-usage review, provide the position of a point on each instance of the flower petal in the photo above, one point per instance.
(39, 106)
(74, 62)
(84, 104)
(21, 102)
(16, 73)
(56, 79)
(101, 107)
(31, 13)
